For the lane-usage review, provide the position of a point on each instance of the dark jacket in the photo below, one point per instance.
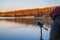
(55, 29)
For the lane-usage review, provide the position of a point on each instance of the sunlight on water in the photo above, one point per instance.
(18, 31)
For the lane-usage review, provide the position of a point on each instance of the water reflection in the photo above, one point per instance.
(28, 21)
(18, 29)
(22, 20)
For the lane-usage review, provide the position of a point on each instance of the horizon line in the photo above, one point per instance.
(27, 9)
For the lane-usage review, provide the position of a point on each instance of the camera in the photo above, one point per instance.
(40, 24)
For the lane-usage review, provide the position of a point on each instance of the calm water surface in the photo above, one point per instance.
(19, 31)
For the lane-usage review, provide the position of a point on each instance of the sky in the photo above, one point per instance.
(11, 5)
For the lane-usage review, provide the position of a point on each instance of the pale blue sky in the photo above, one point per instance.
(10, 5)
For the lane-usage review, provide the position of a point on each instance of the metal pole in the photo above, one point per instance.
(41, 33)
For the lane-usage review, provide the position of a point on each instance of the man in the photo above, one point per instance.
(55, 28)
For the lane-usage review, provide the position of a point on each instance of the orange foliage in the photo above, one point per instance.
(28, 12)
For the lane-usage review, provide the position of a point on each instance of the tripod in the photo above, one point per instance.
(41, 26)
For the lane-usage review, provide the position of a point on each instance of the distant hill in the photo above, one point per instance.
(28, 12)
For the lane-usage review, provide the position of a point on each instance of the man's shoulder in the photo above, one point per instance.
(57, 22)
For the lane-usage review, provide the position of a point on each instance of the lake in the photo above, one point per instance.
(17, 29)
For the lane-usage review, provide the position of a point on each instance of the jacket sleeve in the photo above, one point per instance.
(54, 33)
